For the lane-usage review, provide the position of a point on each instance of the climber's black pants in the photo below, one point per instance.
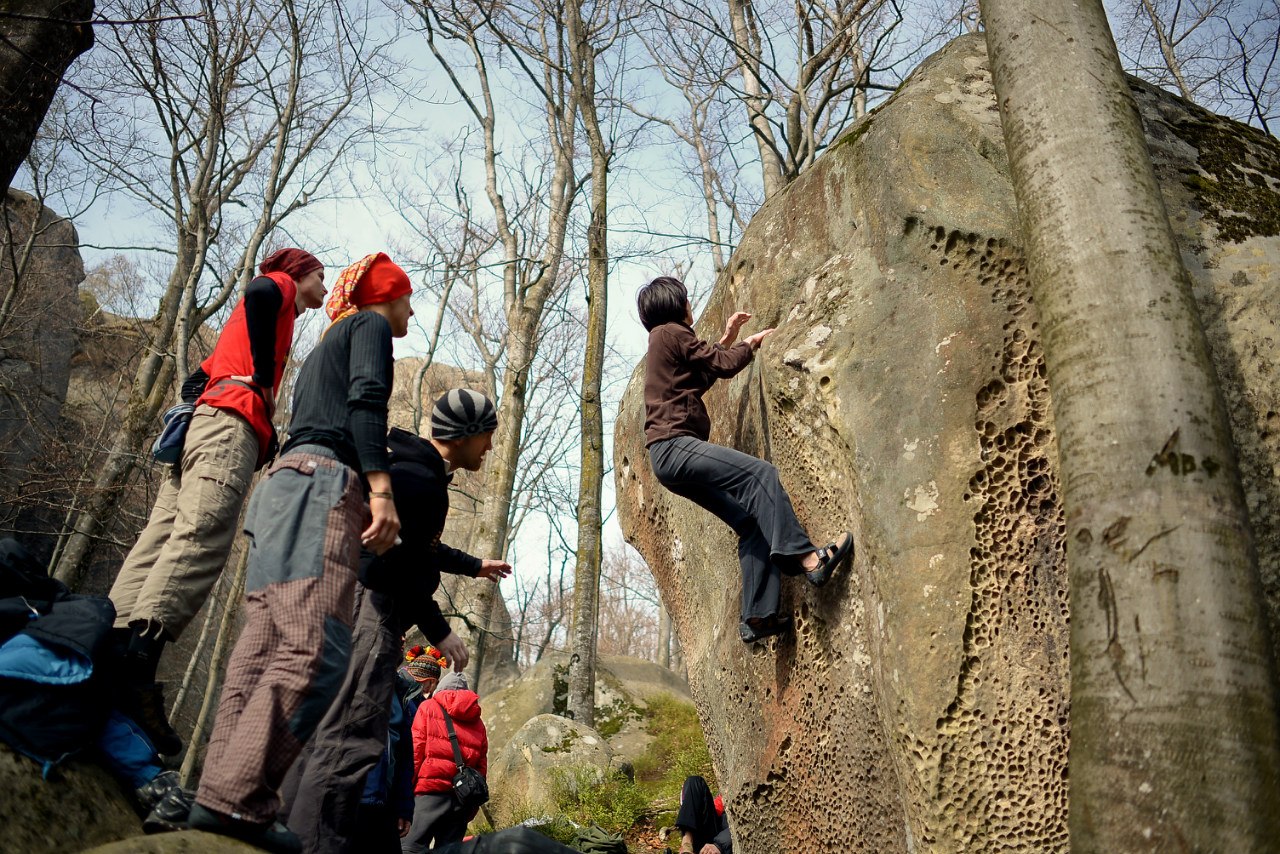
(747, 495)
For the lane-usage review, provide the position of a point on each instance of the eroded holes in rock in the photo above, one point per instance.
(824, 381)
(991, 395)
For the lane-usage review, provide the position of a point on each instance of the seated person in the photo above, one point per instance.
(703, 825)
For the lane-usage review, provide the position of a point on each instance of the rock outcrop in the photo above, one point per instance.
(78, 807)
(523, 773)
(922, 702)
(39, 319)
(529, 735)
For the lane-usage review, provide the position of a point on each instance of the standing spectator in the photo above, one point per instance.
(396, 592)
(180, 554)
(437, 817)
(305, 526)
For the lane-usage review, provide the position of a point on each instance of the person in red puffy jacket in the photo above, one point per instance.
(437, 818)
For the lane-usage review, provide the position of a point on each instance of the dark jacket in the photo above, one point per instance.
(55, 671)
(390, 783)
(679, 369)
(410, 572)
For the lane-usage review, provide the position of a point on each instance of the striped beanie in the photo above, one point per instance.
(461, 413)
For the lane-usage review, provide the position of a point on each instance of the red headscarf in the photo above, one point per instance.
(295, 263)
(371, 280)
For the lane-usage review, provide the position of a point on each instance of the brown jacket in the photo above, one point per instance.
(679, 370)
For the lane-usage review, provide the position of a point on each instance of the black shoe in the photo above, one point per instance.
(830, 558)
(274, 837)
(758, 628)
(152, 793)
(145, 704)
(171, 813)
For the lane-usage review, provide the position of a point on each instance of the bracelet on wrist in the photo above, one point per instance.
(386, 495)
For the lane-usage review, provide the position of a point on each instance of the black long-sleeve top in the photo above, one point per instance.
(410, 572)
(340, 400)
(262, 301)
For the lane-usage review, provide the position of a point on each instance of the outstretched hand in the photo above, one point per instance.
(494, 570)
(756, 340)
(454, 650)
(731, 327)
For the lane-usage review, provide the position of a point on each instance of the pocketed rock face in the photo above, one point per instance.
(922, 704)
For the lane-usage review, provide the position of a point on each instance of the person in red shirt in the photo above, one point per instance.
(437, 817)
(178, 557)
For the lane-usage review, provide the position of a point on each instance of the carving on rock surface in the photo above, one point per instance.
(904, 397)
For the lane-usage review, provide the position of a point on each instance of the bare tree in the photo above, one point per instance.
(1174, 741)
(530, 227)
(220, 123)
(806, 70)
(1220, 54)
(584, 38)
(630, 613)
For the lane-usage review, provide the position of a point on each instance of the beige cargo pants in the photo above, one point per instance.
(180, 554)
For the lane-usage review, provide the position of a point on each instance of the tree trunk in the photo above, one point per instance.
(217, 660)
(1174, 731)
(664, 637)
(586, 579)
(38, 41)
(491, 533)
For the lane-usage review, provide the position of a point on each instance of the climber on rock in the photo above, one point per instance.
(743, 491)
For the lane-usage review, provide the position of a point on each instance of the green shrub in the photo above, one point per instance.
(678, 750)
(588, 796)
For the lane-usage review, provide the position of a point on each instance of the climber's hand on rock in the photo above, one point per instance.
(756, 340)
(731, 327)
(709, 849)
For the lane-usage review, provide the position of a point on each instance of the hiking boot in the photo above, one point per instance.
(171, 813)
(274, 837)
(152, 793)
(145, 704)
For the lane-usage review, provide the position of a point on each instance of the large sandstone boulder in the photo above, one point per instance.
(529, 734)
(922, 702)
(523, 775)
(623, 687)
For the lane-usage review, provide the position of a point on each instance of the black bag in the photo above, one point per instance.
(470, 789)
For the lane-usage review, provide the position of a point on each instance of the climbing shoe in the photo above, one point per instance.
(274, 837)
(145, 704)
(753, 629)
(171, 813)
(830, 558)
(152, 793)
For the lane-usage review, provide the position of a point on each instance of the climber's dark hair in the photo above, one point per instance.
(662, 301)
